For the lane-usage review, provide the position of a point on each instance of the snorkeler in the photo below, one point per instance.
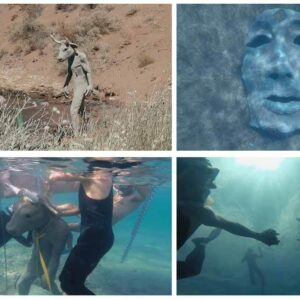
(250, 258)
(96, 210)
(195, 178)
(192, 265)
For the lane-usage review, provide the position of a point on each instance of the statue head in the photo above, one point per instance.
(271, 72)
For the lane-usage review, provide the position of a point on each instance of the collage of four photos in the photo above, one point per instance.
(126, 126)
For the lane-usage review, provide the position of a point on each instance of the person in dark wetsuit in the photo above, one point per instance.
(250, 258)
(96, 234)
(195, 178)
(5, 236)
(192, 265)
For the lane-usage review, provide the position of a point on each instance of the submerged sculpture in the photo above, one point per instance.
(79, 69)
(271, 72)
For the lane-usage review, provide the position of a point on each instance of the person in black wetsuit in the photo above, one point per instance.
(96, 234)
(192, 265)
(195, 178)
(5, 236)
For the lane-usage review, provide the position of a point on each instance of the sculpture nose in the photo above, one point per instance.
(280, 68)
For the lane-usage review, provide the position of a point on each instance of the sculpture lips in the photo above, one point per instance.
(283, 99)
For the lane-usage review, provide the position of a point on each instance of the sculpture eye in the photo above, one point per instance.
(28, 216)
(259, 40)
(297, 40)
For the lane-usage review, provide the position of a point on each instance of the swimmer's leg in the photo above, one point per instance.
(91, 246)
(262, 279)
(193, 263)
(251, 275)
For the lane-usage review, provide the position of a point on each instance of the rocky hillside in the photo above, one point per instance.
(128, 46)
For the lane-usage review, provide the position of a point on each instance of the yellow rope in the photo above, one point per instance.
(42, 261)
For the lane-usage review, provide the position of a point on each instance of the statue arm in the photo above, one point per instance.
(67, 81)
(68, 78)
(27, 242)
(87, 69)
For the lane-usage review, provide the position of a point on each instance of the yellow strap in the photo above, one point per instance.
(42, 261)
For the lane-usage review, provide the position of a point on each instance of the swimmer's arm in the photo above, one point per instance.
(268, 237)
(62, 176)
(211, 219)
(124, 205)
(67, 209)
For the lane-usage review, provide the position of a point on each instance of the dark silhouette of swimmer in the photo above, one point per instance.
(250, 258)
(195, 178)
(5, 236)
(192, 265)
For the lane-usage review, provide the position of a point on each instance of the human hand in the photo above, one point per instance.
(269, 237)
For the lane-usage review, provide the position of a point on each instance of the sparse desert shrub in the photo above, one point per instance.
(33, 11)
(132, 10)
(144, 60)
(137, 125)
(27, 136)
(92, 25)
(31, 34)
(90, 6)
(3, 53)
(65, 7)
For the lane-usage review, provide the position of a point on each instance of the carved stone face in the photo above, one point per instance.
(271, 72)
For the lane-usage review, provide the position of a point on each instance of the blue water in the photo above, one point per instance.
(259, 194)
(147, 268)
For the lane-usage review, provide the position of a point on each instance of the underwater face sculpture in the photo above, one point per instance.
(271, 72)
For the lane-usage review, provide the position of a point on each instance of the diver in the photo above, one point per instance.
(192, 265)
(195, 178)
(96, 235)
(250, 258)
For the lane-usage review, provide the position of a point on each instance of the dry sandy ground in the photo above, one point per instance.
(145, 33)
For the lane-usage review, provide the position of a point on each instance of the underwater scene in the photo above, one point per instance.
(139, 261)
(258, 201)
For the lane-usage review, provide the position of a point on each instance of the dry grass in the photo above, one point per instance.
(30, 136)
(144, 125)
(91, 26)
(3, 53)
(33, 11)
(65, 7)
(31, 35)
(132, 10)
